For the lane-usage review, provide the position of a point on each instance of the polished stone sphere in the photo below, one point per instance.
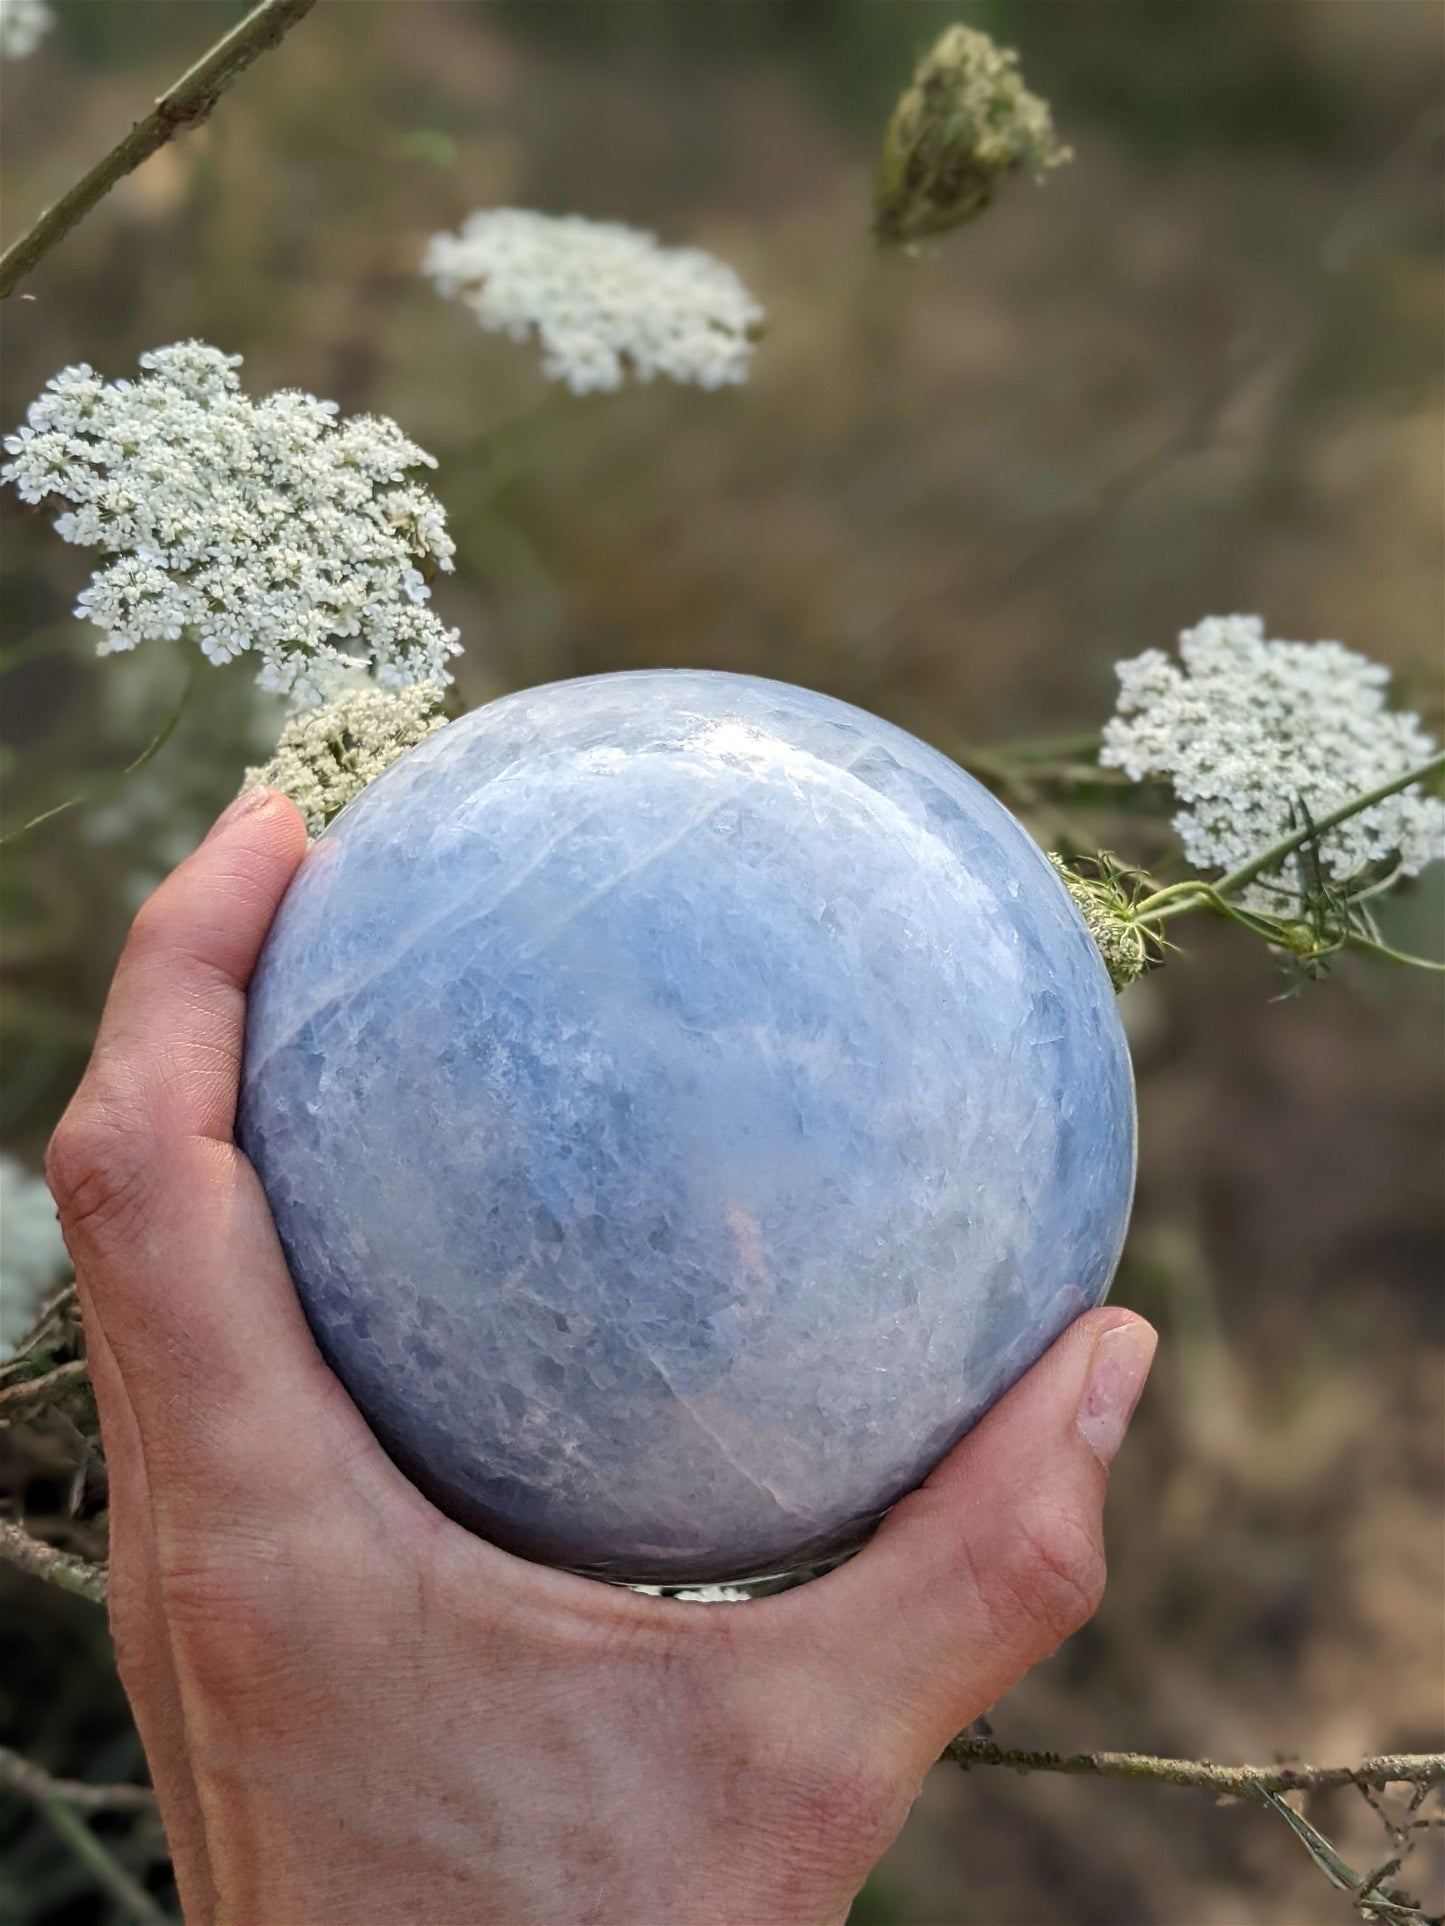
(687, 1103)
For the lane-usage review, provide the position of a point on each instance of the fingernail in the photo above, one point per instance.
(248, 800)
(1117, 1371)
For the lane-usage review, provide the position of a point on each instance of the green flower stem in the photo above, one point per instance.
(1191, 887)
(148, 754)
(127, 1892)
(186, 104)
(1369, 946)
(1045, 748)
(1179, 899)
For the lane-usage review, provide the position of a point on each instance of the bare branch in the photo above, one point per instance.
(1368, 1893)
(186, 104)
(1423, 1769)
(47, 1330)
(34, 1782)
(26, 1395)
(33, 1555)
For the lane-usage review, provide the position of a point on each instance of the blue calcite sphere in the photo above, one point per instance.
(687, 1103)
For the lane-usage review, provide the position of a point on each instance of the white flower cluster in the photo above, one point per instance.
(23, 25)
(328, 755)
(263, 525)
(604, 300)
(1245, 728)
(32, 1251)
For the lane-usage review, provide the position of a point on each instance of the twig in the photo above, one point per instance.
(18, 1400)
(33, 1555)
(106, 1870)
(47, 1329)
(34, 1782)
(1425, 1769)
(186, 104)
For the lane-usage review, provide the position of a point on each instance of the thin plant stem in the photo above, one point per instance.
(103, 1867)
(1370, 946)
(18, 1774)
(148, 754)
(185, 104)
(1365, 1893)
(1032, 748)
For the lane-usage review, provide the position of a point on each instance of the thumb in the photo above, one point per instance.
(998, 1556)
(176, 1257)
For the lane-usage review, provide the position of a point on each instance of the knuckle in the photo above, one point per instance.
(97, 1169)
(1051, 1580)
(231, 1623)
(134, 1633)
(150, 928)
(828, 1814)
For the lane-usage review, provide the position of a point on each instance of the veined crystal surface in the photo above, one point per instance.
(687, 1103)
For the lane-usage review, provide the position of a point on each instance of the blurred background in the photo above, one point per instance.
(1199, 372)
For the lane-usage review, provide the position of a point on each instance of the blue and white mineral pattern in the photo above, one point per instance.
(687, 1103)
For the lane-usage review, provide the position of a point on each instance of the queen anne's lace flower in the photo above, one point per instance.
(328, 755)
(32, 1251)
(1105, 905)
(605, 301)
(264, 525)
(23, 25)
(1245, 729)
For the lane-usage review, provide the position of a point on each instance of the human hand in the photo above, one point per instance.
(354, 1710)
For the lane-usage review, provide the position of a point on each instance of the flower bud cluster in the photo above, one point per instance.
(1107, 909)
(327, 755)
(962, 129)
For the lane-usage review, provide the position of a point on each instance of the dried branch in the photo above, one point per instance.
(48, 1331)
(19, 1400)
(34, 1782)
(1423, 1769)
(33, 1555)
(186, 104)
(1367, 1893)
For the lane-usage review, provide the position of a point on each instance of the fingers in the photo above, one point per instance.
(174, 1247)
(166, 1064)
(998, 1557)
(167, 1058)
